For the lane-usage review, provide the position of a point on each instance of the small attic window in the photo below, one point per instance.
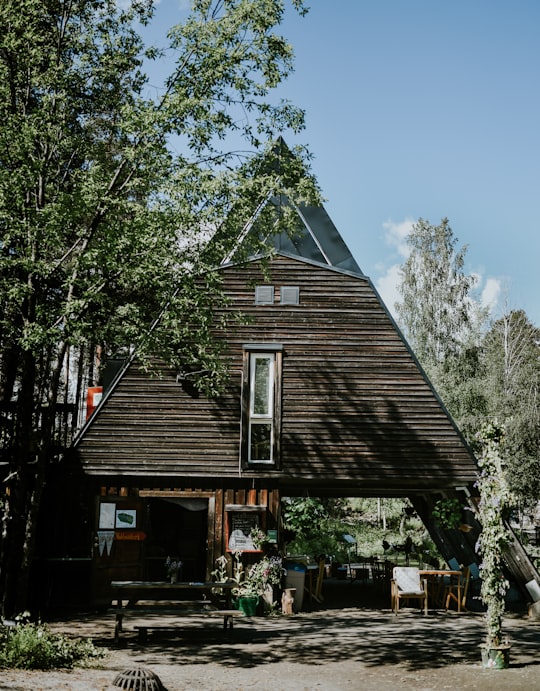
(290, 295)
(264, 295)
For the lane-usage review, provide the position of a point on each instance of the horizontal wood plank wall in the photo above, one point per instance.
(358, 416)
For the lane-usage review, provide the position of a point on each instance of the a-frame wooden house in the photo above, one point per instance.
(325, 398)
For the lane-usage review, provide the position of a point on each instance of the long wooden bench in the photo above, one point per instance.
(227, 614)
(180, 612)
(160, 598)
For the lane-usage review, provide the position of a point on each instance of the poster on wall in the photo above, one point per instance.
(126, 518)
(240, 526)
(107, 514)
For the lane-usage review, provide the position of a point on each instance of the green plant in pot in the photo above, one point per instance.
(256, 581)
(493, 512)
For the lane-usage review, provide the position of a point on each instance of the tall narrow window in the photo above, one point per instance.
(261, 403)
(261, 407)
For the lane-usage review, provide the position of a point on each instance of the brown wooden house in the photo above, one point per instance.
(325, 399)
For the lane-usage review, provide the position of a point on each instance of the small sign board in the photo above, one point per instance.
(137, 535)
(126, 518)
(240, 525)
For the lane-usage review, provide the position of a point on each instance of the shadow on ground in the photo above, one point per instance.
(354, 623)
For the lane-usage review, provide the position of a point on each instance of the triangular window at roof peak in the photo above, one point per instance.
(314, 236)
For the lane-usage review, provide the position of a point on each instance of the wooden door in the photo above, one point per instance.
(119, 544)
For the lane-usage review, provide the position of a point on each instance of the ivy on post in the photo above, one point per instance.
(493, 513)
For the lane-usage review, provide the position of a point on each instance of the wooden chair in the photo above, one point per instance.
(456, 591)
(319, 583)
(406, 584)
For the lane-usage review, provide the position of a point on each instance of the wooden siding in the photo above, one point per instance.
(129, 559)
(358, 416)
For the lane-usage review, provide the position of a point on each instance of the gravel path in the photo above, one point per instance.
(332, 649)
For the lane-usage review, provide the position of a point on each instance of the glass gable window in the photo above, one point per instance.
(261, 403)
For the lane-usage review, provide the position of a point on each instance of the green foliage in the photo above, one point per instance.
(302, 515)
(512, 378)
(268, 571)
(493, 513)
(253, 580)
(34, 646)
(321, 528)
(113, 200)
(318, 526)
(447, 512)
(477, 375)
(437, 311)
(443, 321)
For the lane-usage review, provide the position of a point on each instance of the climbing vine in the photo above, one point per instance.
(493, 512)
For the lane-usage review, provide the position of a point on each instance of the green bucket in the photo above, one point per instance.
(248, 605)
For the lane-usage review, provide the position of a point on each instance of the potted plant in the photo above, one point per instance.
(264, 576)
(256, 582)
(493, 512)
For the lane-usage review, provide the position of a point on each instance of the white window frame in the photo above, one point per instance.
(268, 414)
(263, 418)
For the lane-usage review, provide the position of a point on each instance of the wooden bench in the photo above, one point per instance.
(227, 614)
(204, 611)
(160, 598)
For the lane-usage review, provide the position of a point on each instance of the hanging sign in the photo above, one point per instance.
(137, 535)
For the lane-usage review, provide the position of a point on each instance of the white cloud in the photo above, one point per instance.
(387, 286)
(396, 235)
(491, 293)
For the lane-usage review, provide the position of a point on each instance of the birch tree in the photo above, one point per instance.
(441, 317)
(512, 379)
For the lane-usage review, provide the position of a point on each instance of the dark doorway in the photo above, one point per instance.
(178, 528)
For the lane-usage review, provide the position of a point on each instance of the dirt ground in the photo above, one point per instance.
(352, 641)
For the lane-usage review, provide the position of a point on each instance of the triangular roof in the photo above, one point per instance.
(312, 234)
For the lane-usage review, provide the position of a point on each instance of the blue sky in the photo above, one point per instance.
(424, 108)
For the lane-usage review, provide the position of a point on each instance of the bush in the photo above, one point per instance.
(34, 646)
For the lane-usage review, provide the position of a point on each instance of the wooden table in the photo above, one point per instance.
(435, 581)
(161, 597)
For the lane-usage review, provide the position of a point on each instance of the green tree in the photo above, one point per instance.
(104, 224)
(441, 318)
(511, 354)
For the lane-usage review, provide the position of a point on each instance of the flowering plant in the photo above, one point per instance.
(266, 572)
(258, 537)
(493, 511)
(220, 572)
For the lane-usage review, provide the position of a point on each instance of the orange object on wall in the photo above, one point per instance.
(93, 397)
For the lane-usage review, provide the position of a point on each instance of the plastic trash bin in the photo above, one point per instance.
(296, 578)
